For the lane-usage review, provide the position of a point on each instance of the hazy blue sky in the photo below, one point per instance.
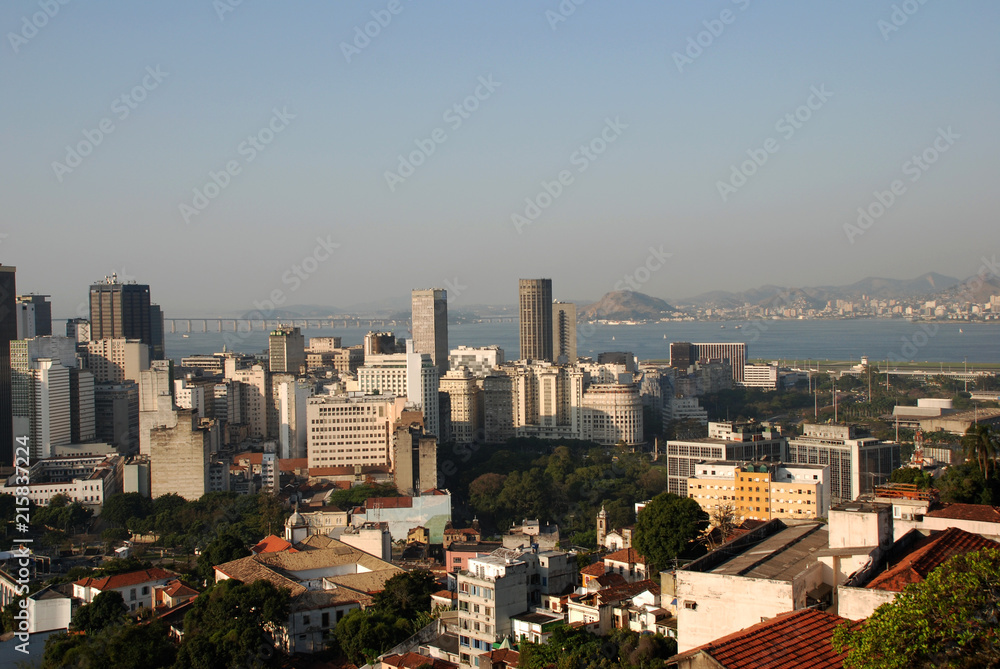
(677, 130)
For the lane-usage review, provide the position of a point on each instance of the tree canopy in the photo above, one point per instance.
(948, 620)
(225, 626)
(127, 646)
(408, 593)
(571, 648)
(666, 527)
(107, 608)
(397, 612)
(224, 548)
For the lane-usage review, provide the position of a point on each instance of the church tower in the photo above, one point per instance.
(296, 528)
(602, 526)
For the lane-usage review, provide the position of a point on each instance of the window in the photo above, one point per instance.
(145, 589)
(690, 605)
(326, 619)
(132, 595)
(463, 641)
(305, 619)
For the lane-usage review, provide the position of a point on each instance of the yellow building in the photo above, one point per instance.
(761, 491)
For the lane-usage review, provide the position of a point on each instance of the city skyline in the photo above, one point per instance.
(276, 149)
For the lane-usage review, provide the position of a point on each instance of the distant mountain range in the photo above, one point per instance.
(624, 305)
(630, 305)
(929, 284)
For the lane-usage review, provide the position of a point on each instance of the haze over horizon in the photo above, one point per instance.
(672, 119)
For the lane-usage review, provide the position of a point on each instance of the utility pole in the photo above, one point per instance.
(834, 379)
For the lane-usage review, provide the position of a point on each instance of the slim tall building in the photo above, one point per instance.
(535, 301)
(42, 309)
(564, 332)
(158, 349)
(8, 333)
(286, 351)
(123, 310)
(430, 325)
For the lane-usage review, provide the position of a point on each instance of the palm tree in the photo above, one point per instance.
(981, 444)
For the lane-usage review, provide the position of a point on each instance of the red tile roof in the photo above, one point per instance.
(253, 458)
(610, 580)
(289, 464)
(628, 590)
(445, 594)
(928, 554)
(414, 660)
(504, 656)
(795, 640)
(125, 580)
(627, 555)
(176, 588)
(272, 544)
(595, 569)
(976, 512)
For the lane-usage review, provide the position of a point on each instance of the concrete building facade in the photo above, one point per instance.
(857, 464)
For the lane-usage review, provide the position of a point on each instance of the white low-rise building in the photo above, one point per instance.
(136, 587)
(88, 479)
(770, 570)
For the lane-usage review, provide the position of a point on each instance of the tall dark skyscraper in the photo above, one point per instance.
(8, 333)
(429, 320)
(535, 300)
(123, 310)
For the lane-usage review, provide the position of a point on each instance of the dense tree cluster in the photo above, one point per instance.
(566, 483)
(224, 628)
(951, 619)
(666, 529)
(397, 612)
(974, 482)
(574, 648)
(180, 523)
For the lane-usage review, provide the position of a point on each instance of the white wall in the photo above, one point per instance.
(725, 604)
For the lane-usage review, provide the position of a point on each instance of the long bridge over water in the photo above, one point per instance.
(209, 324)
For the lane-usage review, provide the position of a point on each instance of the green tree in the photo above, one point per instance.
(980, 444)
(61, 515)
(407, 594)
(113, 535)
(128, 646)
(119, 509)
(913, 475)
(123, 566)
(484, 492)
(226, 625)
(107, 608)
(8, 508)
(224, 548)
(7, 621)
(364, 634)
(666, 527)
(948, 620)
